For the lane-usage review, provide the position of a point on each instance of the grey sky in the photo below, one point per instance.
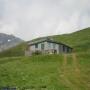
(29, 19)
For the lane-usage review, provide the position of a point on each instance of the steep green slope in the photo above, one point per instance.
(79, 40)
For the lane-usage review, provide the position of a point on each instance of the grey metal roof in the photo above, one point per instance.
(48, 40)
(37, 41)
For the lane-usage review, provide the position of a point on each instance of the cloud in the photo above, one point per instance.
(29, 19)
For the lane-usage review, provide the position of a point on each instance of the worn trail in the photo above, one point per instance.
(77, 71)
(64, 76)
(77, 81)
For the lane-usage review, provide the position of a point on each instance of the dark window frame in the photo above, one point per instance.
(64, 48)
(36, 45)
(42, 46)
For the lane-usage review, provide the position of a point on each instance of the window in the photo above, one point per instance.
(54, 45)
(42, 46)
(63, 48)
(49, 45)
(36, 45)
(68, 50)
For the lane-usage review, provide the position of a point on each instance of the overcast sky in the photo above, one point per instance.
(29, 19)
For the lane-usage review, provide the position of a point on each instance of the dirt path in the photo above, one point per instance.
(65, 62)
(64, 75)
(75, 63)
(77, 82)
(78, 74)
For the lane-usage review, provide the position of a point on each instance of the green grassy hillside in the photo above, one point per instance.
(15, 51)
(54, 72)
(79, 40)
(49, 72)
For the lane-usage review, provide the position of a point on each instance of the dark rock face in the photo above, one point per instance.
(8, 41)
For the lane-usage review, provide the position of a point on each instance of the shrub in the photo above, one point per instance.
(37, 52)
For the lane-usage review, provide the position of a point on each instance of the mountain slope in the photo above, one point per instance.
(79, 40)
(8, 41)
(15, 51)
